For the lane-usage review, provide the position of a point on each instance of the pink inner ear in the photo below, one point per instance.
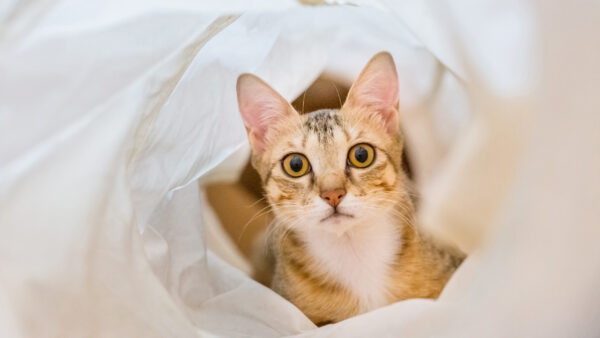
(261, 108)
(258, 116)
(377, 89)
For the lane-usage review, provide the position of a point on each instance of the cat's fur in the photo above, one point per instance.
(342, 266)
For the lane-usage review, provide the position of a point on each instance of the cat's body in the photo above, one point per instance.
(343, 241)
(339, 281)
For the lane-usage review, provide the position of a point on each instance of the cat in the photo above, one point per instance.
(343, 241)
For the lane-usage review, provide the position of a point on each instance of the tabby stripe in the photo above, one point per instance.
(389, 159)
(297, 264)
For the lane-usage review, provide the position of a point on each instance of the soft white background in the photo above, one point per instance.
(110, 111)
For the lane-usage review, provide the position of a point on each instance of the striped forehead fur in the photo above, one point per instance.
(322, 123)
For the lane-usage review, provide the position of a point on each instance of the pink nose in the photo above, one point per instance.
(333, 197)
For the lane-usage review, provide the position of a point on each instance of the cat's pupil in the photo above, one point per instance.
(296, 163)
(361, 154)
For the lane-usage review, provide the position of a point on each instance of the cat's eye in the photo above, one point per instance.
(361, 155)
(295, 165)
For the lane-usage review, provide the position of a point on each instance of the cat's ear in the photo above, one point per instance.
(261, 107)
(376, 90)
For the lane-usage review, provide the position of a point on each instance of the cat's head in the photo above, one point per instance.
(329, 169)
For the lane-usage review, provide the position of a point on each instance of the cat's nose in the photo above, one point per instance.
(333, 197)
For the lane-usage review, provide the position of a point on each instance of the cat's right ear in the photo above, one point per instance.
(376, 89)
(261, 108)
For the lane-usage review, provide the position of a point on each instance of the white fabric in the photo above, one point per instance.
(110, 111)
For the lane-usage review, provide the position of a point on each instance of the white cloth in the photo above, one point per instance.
(110, 111)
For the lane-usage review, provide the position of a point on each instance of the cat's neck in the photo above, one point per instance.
(360, 259)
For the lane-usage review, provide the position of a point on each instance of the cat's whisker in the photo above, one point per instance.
(303, 99)
(290, 223)
(337, 92)
(267, 209)
(264, 198)
(392, 212)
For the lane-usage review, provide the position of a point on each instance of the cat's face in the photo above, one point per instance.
(332, 170)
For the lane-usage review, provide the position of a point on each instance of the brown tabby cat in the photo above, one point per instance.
(343, 240)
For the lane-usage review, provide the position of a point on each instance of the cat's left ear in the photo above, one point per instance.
(376, 90)
(262, 108)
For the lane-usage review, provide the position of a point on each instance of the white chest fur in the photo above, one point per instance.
(360, 259)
